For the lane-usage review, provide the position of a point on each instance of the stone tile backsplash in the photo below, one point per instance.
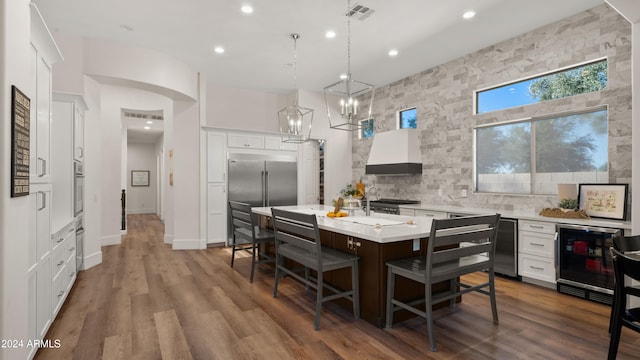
(443, 96)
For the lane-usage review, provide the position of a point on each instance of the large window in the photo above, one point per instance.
(567, 82)
(533, 156)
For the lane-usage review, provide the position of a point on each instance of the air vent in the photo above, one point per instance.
(141, 115)
(359, 12)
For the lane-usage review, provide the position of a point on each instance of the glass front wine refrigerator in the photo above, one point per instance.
(585, 268)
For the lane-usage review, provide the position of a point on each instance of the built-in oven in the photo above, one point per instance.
(79, 242)
(78, 184)
(585, 267)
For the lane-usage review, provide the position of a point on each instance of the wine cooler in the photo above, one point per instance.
(585, 267)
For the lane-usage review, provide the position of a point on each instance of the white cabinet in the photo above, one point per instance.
(216, 213)
(275, 143)
(537, 251)
(39, 270)
(216, 187)
(78, 131)
(44, 53)
(247, 141)
(61, 242)
(66, 108)
(216, 159)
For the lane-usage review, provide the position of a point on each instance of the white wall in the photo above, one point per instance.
(93, 173)
(242, 109)
(186, 178)
(14, 212)
(143, 68)
(142, 199)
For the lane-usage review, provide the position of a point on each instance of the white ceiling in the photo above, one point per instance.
(258, 47)
(259, 50)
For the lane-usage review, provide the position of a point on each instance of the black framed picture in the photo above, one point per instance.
(608, 201)
(139, 177)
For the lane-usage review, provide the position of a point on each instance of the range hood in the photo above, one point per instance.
(395, 152)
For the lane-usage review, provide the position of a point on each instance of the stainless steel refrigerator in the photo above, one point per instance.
(262, 180)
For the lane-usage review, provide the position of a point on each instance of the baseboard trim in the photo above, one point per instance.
(111, 240)
(168, 239)
(140, 211)
(186, 244)
(92, 260)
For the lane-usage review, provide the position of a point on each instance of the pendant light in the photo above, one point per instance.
(353, 96)
(295, 121)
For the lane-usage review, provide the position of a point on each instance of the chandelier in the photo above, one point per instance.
(352, 95)
(295, 121)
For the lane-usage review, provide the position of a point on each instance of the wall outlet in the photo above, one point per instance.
(463, 193)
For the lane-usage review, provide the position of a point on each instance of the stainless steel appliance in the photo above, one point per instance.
(262, 180)
(78, 185)
(506, 255)
(79, 242)
(390, 206)
(585, 267)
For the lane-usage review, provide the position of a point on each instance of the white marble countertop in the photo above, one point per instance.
(524, 215)
(392, 227)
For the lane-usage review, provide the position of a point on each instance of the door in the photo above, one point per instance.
(282, 183)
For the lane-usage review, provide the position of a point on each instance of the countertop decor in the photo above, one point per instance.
(560, 213)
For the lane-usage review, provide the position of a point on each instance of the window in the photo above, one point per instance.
(532, 157)
(407, 118)
(366, 131)
(576, 80)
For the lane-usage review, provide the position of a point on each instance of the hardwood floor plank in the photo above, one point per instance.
(146, 301)
(173, 345)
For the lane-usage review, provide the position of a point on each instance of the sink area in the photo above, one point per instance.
(371, 220)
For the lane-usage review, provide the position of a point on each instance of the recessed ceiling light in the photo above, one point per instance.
(149, 122)
(126, 27)
(147, 128)
(469, 14)
(393, 52)
(247, 9)
(330, 34)
(343, 76)
(218, 50)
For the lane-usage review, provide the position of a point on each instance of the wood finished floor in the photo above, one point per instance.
(146, 301)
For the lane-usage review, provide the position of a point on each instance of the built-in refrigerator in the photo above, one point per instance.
(262, 180)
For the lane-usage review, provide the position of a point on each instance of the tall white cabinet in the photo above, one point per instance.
(40, 272)
(216, 187)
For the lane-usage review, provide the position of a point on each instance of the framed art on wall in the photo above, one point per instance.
(607, 201)
(139, 177)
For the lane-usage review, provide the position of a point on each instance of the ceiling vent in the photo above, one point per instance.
(142, 115)
(359, 12)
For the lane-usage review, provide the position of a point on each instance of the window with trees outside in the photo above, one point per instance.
(576, 80)
(366, 131)
(533, 156)
(407, 118)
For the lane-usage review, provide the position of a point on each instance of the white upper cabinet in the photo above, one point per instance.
(275, 143)
(216, 157)
(44, 53)
(247, 141)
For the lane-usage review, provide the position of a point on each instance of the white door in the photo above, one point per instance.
(216, 213)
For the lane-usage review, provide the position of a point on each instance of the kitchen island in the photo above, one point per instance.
(394, 238)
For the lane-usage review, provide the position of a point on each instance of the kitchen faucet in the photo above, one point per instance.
(372, 190)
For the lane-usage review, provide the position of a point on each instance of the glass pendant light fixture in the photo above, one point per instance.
(352, 96)
(295, 121)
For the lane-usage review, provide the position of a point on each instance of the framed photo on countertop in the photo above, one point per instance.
(608, 201)
(139, 177)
